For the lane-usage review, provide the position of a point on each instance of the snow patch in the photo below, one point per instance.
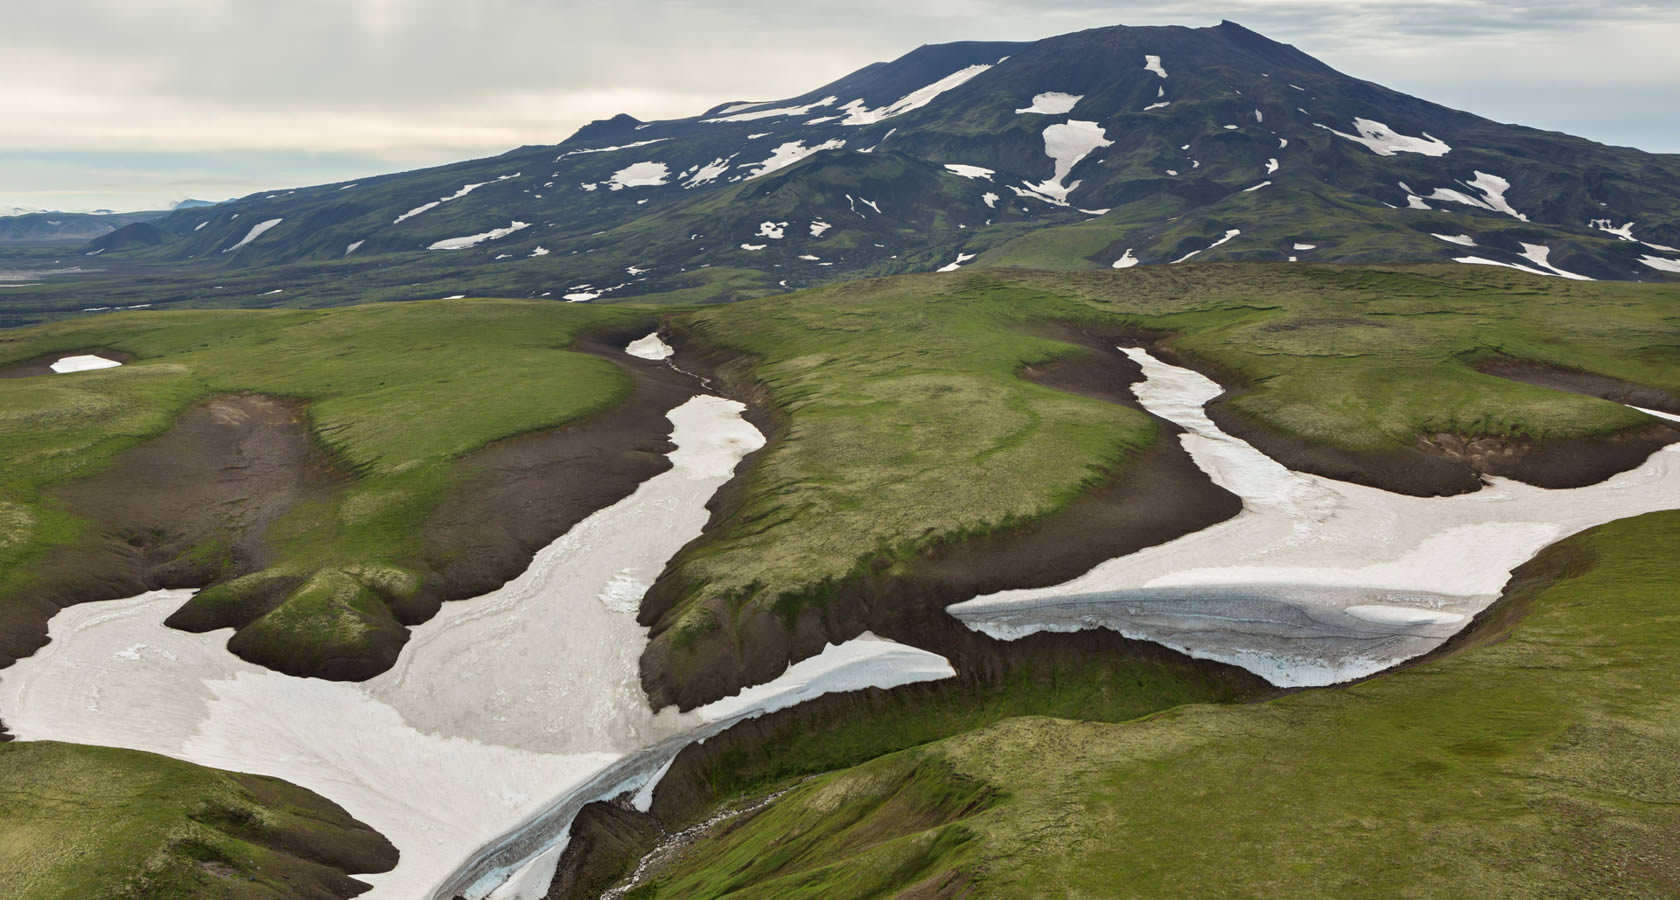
(353, 246)
(772, 230)
(473, 240)
(1067, 144)
(641, 174)
(818, 227)
(789, 153)
(1052, 103)
(608, 149)
(1660, 264)
(755, 115)
(1492, 189)
(858, 114)
(969, 171)
(709, 172)
(84, 363)
(255, 232)
(953, 266)
(1192, 254)
(1385, 141)
(1463, 240)
(1152, 63)
(1126, 260)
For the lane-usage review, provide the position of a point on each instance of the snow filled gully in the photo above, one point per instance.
(1315, 581)
(503, 715)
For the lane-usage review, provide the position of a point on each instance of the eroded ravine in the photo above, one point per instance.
(498, 712)
(1316, 581)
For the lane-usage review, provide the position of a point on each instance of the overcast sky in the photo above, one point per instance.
(131, 104)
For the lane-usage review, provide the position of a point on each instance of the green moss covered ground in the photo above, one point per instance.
(1539, 758)
(81, 822)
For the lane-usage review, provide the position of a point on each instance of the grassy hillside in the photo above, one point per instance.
(1540, 754)
(906, 424)
(78, 822)
(389, 400)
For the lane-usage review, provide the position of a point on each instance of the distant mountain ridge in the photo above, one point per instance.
(1104, 148)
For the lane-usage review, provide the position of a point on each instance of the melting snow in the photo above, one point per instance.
(608, 149)
(642, 174)
(650, 347)
(1052, 103)
(1463, 240)
(1066, 144)
(710, 172)
(754, 246)
(1300, 246)
(772, 230)
(200, 226)
(84, 363)
(255, 232)
(1660, 264)
(1539, 254)
(990, 199)
(1160, 105)
(772, 113)
(353, 247)
(1385, 141)
(473, 240)
(539, 250)
(1271, 166)
(465, 190)
(967, 171)
(1228, 235)
(953, 266)
(1608, 226)
(791, 152)
(1257, 187)
(858, 114)
(1492, 189)
(1126, 260)
(818, 226)
(1152, 63)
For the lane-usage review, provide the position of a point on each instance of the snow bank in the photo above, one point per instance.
(1126, 260)
(1660, 264)
(353, 246)
(1067, 144)
(789, 153)
(969, 171)
(858, 114)
(473, 240)
(1385, 141)
(256, 231)
(1152, 63)
(650, 347)
(84, 363)
(1192, 254)
(953, 266)
(1492, 189)
(1052, 103)
(757, 114)
(1316, 580)
(641, 174)
(1463, 240)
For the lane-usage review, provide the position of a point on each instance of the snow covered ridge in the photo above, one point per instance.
(1385, 141)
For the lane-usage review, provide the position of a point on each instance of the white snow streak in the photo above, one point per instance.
(473, 240)
(858, 114)
(255, 232)
(1385, 141)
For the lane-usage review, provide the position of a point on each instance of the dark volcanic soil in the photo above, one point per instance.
(1444, 464)
(190, 509)
(226, 469)
(1160, 495)
(608, 838)
(519, 495)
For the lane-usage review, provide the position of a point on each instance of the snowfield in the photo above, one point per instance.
(789, 153)
(502, 715)
(1316, 581)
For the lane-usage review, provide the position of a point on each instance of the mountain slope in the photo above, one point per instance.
(1104, 147)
